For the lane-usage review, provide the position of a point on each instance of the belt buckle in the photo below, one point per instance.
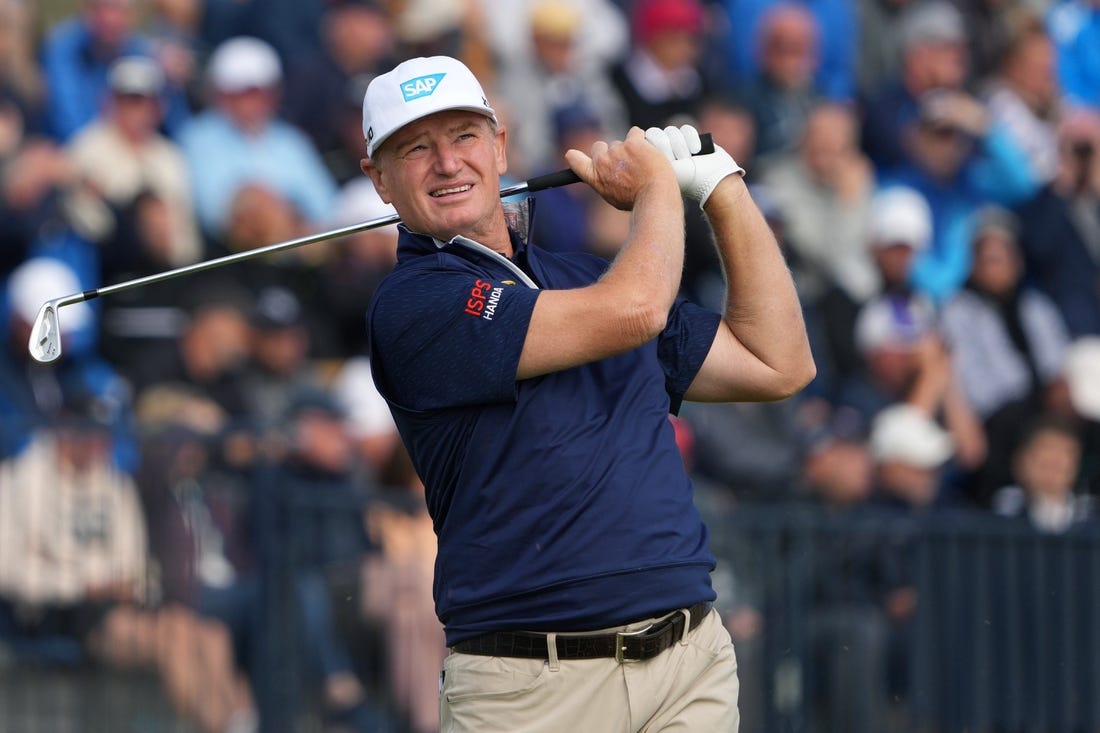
(620, 638)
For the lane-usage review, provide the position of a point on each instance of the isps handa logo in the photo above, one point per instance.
(483, 300)
(421, 86)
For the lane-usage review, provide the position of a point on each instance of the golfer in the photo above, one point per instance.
(533, 391)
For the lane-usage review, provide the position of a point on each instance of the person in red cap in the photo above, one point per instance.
(662, 77)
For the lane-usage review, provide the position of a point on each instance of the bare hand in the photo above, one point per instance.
(620, 171)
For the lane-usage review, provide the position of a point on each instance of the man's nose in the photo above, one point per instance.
(447, 161)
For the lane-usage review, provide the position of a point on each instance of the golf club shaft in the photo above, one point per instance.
(538, 183)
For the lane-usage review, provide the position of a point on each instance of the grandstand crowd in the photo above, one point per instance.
(931, 169)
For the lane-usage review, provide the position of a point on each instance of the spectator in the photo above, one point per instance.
(602, 35)
(1075, 29)
(898, 335)
(211, 351)
(76, 56)
(279, 365)
(661, 78)
(22, 91)
(31, 393)
(1045, 469)
(353, 266)
(824, 190)
(398, 592)
(74, 569)
(1060, 226)
(1007, 343)
(881, 24)
(241, 139)
(959, 162)
(320, 496)
(1023, 96)
(850, 582)
(780, 94)
(575, 218)
(835, 47)
(357, 41)
(933, 55)
(121, 155)
(369, 420)
(550, 79)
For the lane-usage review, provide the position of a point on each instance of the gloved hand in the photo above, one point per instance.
(697, 175)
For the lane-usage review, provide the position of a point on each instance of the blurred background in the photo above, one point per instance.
(208, 523)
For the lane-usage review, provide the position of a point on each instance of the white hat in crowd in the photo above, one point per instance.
(244, 63)
(44, 278)
(136, 75)
(903, 433)
(899, 215)
(1082, 372)
(417, 88)
(358, 201)
(885, 322)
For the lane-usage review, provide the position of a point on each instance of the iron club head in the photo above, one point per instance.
(45, 341)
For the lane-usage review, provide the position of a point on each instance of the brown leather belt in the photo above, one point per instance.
(623, 646)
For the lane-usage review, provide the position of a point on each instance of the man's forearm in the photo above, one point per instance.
(762, 308)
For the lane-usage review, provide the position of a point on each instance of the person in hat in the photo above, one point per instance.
(241, 139)
(532, 391)
(122, 155)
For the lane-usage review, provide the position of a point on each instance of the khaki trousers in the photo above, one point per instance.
(690, 687)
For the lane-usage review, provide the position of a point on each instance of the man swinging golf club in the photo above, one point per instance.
(532, 391)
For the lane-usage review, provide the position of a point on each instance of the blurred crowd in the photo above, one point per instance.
(931, 169)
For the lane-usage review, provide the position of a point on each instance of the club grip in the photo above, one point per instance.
(566, 176)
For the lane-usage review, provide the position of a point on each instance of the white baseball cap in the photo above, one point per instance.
(417, 88)
(1082, 372)
(244, 63)
(44, 278)
(136, 75)
(900, 215)
(904, 434)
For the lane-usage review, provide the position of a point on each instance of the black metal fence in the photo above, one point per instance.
(844, 621)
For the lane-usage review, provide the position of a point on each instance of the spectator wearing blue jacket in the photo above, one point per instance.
(76, 56)
(959, 163)
(241, 139)
(1075, 27)
(839, 24)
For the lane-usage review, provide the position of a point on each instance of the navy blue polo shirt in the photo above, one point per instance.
(560, 503)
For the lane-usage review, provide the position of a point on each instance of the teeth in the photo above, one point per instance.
(445, 191)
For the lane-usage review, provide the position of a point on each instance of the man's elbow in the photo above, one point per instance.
(795, 379)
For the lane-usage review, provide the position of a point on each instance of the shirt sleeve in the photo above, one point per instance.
(448, 339)
(683, 347)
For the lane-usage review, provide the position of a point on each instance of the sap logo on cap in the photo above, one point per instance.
(421, 86)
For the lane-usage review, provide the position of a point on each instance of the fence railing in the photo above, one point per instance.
(844, 621)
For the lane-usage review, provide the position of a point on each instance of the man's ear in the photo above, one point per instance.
(501, 142)
(375, 175)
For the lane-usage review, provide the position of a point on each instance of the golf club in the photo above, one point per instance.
(45, 339)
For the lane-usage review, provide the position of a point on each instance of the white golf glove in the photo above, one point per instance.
(697, 175)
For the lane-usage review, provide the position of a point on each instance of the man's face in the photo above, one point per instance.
(442, 174)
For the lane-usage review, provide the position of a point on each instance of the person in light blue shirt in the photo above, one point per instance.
(240, 139)
(76, 55)
(1075, 28)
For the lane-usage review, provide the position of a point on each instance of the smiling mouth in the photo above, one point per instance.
(449, 191)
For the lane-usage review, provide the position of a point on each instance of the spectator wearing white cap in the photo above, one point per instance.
(240, 139)
(123, 155)
(897, 332)
(76, 56)
(31, 394)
